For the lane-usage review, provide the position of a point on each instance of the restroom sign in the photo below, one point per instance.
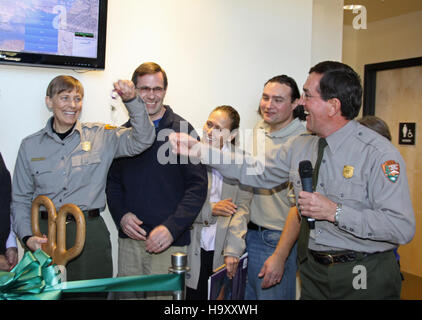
(407, 133)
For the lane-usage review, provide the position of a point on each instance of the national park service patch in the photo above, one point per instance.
(391, 170)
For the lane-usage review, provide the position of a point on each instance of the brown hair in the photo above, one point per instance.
(149, 68)
(64, 83)
(233, 115)
(376, 124)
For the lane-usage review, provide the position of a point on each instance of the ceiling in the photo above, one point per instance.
(382, 9)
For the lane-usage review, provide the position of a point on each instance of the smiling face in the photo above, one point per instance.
(66, 107)
(216, 129)
(318, 118)
(276, 105)
(151, 89)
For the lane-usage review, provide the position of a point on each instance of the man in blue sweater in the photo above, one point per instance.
(154, 203)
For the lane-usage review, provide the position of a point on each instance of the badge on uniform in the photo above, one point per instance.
(391, 170)
(348, 171)
(109, 127)
(86, 146)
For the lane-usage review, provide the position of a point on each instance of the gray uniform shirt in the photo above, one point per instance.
(269, 207)
(74, 170)
(357, 170)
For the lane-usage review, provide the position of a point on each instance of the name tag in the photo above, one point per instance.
(38, 159)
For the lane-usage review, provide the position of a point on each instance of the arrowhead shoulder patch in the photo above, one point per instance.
(391, 170)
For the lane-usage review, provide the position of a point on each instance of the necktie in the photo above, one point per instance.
(322, 143)
(302, 247)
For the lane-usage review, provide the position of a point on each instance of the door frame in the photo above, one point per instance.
(370, 79)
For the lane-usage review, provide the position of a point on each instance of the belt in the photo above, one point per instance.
(334, 258)
(254, 226)
(90, 213)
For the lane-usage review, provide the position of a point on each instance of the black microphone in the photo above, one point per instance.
(305, 173)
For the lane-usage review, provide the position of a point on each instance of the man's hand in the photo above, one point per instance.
(315, 205)
(126, 89)
(272, 271)
(224, 208)
(159, 239)
(130, 225)
(34, 243)
(4, 265)
(185, 145)
(231, 264)
(12, 256)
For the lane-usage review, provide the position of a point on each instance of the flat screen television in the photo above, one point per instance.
(53, 33)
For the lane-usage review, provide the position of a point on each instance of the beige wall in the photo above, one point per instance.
(390, 39)
(387, 40)
(325, 30)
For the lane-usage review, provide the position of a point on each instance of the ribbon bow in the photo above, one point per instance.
(34, 278)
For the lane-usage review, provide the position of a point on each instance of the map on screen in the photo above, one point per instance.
(59, 27)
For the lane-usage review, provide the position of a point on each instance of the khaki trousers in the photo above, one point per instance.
(135, 260)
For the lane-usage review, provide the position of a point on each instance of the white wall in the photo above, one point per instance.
(214, 52)
(327, 17)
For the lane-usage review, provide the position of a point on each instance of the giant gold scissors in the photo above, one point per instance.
(56, 244)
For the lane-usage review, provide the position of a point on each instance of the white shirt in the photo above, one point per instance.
(208, 232)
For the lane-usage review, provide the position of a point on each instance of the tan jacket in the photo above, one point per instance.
(230, 234)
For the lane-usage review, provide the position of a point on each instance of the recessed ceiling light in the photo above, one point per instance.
(352, 7)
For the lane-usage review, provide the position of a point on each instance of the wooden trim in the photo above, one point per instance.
(370, 79)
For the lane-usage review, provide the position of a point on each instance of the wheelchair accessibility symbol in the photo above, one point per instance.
(407, 133)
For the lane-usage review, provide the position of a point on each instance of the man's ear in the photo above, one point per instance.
(233, 134)
(295, 103)
(335, 107)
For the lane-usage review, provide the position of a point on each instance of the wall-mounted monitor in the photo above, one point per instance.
(53, 33)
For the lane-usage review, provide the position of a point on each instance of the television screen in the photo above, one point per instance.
(60, 33)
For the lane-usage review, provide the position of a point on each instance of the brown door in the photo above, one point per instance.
(399, 99)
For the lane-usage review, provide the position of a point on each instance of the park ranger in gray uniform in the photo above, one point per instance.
(68, 162)
(361, 205)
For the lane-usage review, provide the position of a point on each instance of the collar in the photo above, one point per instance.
(283, 132)
(48, 129)
(167, 118)
(337, 139)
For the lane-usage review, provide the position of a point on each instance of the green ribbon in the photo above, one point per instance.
(31, 279)
(34, 278)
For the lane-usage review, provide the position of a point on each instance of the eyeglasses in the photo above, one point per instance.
(307, 96)
(155, 90)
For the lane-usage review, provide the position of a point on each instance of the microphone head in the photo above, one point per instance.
(305, 169)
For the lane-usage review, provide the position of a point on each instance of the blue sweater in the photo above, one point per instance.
(158, 194)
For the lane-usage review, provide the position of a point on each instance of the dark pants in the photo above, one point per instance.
(376, 276)
(94, 262)
(201, 292)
